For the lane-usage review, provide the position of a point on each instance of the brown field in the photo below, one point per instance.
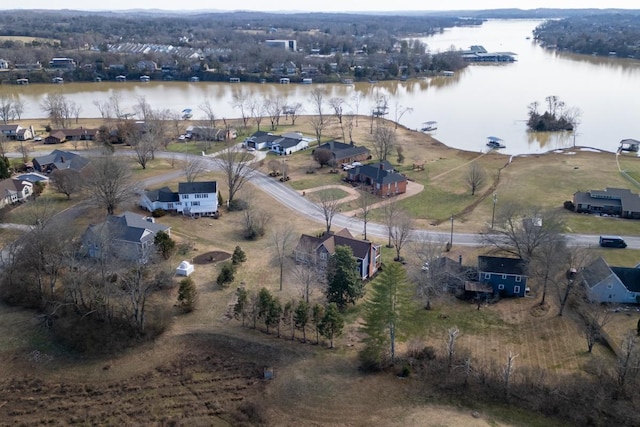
(207, 369)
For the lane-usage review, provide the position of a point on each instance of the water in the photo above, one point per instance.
(477, 102)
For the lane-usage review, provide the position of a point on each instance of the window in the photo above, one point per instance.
(323, 255)
(609, 286)
(504, 276)
(501, 286)
(516, 289)
(487, 275)
(518, 279)
(185, 196)
(195, 203)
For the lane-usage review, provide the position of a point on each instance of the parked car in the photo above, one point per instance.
(251, 149)
(182, 138)
(37, 139)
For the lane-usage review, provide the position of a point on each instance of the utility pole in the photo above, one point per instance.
(451, 238)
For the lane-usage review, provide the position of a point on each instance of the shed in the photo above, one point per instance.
(184, 269)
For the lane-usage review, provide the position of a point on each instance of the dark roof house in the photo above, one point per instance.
(59, 159)
(346, 153)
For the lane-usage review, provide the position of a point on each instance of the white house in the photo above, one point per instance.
(16, 132)
(14, 191)
(289, 143)
(192, 199)
(607, 284)
(4, 64)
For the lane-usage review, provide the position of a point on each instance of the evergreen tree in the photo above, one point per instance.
(274, 315)
(387, 312)
(264, 304)
(316, 316)
(187, 294)
(238, 256)
(4, 168)
(165, 244)
(241, 305)
(344, 285)
(227, 274)
(332, 323)
(301, 318)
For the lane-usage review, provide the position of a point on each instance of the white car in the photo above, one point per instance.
(251, 149)
(182, 138)
(356, 164)
(37, 139)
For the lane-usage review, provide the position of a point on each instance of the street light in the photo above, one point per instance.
(493, 214)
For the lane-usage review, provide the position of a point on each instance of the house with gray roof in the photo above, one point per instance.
(604, 283)
(60, 160)
(317, 251)
(346, 153)
(611, 201)
(192, 199)
(14, 191)
(128, 236)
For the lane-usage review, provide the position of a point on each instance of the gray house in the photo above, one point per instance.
(611, 284)
(127, 237)
(611, 201)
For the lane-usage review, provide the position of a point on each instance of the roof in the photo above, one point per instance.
(130, 227)
(630, 277)
(360, 248)
(33, 177)
(9, 128)
(11, 186)
(75, 132)
(340, 150)
(197, 187)
(501, 265)
(163, 194)
(378, 174)
(596, 272)
(622, 197)
(63, 160)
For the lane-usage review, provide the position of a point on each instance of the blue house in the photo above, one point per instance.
(505, 275)
(604, 283)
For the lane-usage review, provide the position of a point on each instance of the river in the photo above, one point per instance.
(477, 102)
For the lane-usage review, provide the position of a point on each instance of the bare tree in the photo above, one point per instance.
(431, 275)
(273, 107)
(316, 99)
(59, 109)
(109, 183)
(318, 124)
(282, 239)
(294, 110)
(241, 101)
(328, 206)
(452, 337)
(66, 181)
(236, 168)
(522, 231)
(136, 286)
(546, 265)
(594, 318)
(143, 147)
(193, 168)
(390, 211)
(384, 140)
(18, 107)
(628, 362)
(6, 108)
(24, 151)
(255, 220)
(365, 203)
(209, 112)
(355, 101)
(337, 104)
(256, 108)
(115, 106)
(349, 122)
(476, 176)
(104, 108)
(309, 276)
(508, 372)
(401, 231)
(401, 111)
(574, 260)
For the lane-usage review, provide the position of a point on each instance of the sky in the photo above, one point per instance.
(322, 5)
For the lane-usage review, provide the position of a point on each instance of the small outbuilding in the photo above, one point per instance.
(184, 269)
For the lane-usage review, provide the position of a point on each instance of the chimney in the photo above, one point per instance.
(61, 159)
(460, 259)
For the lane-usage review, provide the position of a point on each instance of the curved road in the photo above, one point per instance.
(295, 201)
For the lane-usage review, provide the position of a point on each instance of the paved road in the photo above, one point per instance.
(295, 201)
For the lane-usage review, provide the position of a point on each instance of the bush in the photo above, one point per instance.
(227, 274)
(238, 205)
(569, 205)
(158, 213)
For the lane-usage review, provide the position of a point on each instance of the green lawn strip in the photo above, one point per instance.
(318, 179)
